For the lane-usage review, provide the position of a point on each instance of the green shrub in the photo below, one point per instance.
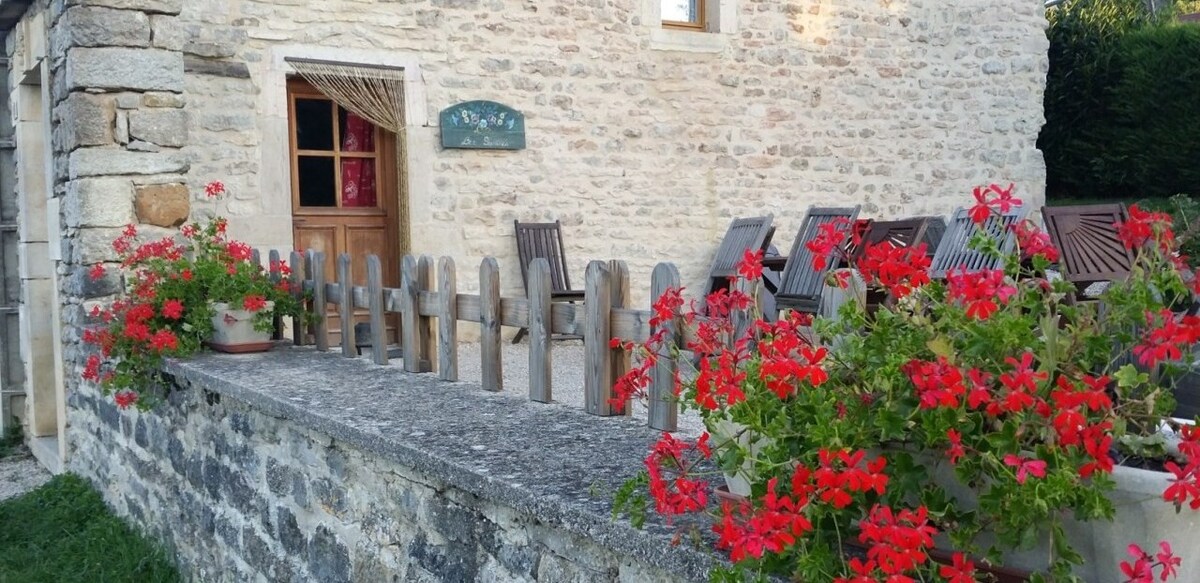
(1154, 145)
(1084, 36)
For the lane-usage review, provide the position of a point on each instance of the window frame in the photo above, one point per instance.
(299, 89)
(699, 25)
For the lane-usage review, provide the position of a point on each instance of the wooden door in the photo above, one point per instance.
(344, 191)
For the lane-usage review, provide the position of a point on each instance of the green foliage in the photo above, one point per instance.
(630, 499)
(10, 441)
(987, 406)
(63, 532)
(1119, 102)
(1186, 211)
(1084, 36)
(1154, 135)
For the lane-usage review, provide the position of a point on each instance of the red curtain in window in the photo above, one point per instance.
(358, 174)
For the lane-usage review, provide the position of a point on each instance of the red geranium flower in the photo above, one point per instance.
(254, 303)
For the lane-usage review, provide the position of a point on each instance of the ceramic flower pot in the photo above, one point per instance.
(233, 330)
(1142, 517)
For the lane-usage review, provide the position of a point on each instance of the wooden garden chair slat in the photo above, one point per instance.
(900, 232)
(1086, 237)
(954, 253)
(750, 233)
(545, 241)
(801, 285)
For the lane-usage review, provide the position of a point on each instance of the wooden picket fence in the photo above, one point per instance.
(429, 315)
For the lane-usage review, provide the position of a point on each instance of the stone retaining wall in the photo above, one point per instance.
(298, 466)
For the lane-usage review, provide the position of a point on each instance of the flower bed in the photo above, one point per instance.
(1027, 396)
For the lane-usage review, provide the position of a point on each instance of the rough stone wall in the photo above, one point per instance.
(646, 154)
(241, 496)
(116, 105)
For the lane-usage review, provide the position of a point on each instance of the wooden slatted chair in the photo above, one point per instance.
(801, 285)
(1090, 250)
(953, 252)
(751, 233)
(545, 241)
(935, 229)
(901, 233)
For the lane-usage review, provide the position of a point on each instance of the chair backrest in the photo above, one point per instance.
(543, 240)
(900, 232)
(935, 229)
(799, 277)
(1086, 236)
(953, 251)
(751, 233)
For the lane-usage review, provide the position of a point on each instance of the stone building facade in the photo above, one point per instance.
(643, 140)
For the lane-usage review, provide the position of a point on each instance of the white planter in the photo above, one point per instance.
(233, 330)
(723, 430)
(1142, 517)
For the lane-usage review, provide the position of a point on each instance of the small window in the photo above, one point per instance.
(683, 14)
(335, 160)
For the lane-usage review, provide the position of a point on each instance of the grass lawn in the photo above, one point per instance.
(62, 532)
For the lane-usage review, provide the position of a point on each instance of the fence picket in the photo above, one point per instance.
(489, 324)
(540, 371)
(296, 284)
(346, 305)
(408, 315)
(275, 275)
(425, 327)
(375, 300)
(321, 330)
(664, 410)
(447, 320)
(597, 355)
(619, 358)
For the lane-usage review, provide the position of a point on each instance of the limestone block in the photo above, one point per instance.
(124, 68)
(157, 99)
(87, 26)
(94, 245)
(169, 33)
(162, 205)
(112, 162)
(87, 120)
(99, 202)
(202, 66)
(215, 42)
(149, 6)
(165, 127)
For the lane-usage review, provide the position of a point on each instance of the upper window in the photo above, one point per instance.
(334, 158)
(683, 14)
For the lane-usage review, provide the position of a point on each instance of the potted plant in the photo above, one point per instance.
(182, 292)
(974, 424)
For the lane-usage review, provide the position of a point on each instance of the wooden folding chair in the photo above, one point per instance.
(1090, 250)
(953, 252)
(752, 233)
(901, 233)
(935, 229)
(801, 285)
(544, 241)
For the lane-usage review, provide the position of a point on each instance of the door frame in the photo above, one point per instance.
(415, 178)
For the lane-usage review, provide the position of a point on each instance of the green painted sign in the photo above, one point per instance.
(482, 125)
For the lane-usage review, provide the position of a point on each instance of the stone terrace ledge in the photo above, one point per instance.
(555, 464)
